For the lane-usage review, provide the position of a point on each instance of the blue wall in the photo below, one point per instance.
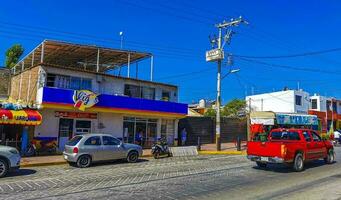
(63, 96)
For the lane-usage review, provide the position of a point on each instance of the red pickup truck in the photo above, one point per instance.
(291, 146)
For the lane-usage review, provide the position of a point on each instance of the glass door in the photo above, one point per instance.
(65, 132)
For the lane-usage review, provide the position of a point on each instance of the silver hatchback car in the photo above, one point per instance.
(82, 150)
(9, 159)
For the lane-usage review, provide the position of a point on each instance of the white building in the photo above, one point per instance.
(77, 92)
(287, 101)
(322, 104)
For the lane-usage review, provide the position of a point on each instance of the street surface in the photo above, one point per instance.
(199, 177)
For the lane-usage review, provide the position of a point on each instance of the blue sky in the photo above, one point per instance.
(177, 31)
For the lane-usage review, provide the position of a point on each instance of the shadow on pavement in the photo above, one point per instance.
(117, 162)
(283, 168)
(21, 172)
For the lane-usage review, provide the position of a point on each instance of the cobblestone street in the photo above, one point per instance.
(203, 177)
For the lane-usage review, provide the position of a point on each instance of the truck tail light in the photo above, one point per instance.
(283, 150)
(75, 150)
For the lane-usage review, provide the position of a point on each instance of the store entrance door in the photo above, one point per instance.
(65, 132)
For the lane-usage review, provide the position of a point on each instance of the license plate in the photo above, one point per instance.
(264, 159)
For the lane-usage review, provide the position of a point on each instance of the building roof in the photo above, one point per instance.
(78, 56)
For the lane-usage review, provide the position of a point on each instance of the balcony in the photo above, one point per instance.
(64, 99)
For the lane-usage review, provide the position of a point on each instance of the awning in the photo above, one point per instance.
(20, 117)
(296, 119)
(265, 118)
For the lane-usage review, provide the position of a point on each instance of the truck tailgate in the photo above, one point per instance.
(266, 149)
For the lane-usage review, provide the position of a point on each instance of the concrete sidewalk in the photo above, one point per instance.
(206, 149)
(226, 149)
(56, 160)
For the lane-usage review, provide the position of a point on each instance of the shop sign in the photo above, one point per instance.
(214, 55)
(75, 115)
(296, 119)
(84, 99)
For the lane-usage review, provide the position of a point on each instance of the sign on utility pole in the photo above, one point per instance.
(217, 55)
(214, 55)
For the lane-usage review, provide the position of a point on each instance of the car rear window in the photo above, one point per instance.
(74, 141)
(285, 135)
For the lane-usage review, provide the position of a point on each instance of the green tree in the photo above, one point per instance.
(13, 54)
(210, 112)
(234, 108)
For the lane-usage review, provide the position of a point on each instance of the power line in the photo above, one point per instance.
(292, 55)
(306, 69)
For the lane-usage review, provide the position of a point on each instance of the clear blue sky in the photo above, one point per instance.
(176, 32)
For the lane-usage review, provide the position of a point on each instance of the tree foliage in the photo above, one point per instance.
(13, 54)
(234, 108)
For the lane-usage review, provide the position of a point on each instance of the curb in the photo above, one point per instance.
(222, 152)
(60, 163)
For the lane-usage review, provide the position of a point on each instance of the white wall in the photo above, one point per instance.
(282, 101)
(113, 124)
(113, 85)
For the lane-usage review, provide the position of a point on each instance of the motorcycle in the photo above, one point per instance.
(160, 148)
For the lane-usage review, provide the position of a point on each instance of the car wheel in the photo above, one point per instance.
(132, 157)
(298, 163)
(261, 164)
(3, 168)
(84, 161)
(330, 157)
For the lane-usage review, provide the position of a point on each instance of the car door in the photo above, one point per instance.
(112, 148)
(93, 147)
(319, 146)
(309, 148)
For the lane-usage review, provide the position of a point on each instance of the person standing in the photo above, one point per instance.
(183, 137)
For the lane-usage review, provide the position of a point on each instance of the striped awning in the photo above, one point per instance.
(21, 117)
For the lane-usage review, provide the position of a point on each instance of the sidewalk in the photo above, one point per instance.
(206, 149)
(226, 149)
(56, 160)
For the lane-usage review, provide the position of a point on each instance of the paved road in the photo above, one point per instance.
(199, 177)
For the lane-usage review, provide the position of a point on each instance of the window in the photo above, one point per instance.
(306, 136)
(334, 106)
(83, 126)
(132, 91)
(110, 141)
(75, 83)
(86, 84)
(316, 137)
(68, 82)
(148, 93)
(95, 140)
(74, 141)
(284, 135)
(314, 104)
(298, 100)
(328, 104)
(165, 95)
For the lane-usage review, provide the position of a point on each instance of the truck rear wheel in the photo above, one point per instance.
(298, 162)
(330, 157)
(261, 164)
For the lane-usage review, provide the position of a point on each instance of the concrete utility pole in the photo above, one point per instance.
(218, 55)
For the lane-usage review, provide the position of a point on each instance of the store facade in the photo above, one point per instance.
(132, 120)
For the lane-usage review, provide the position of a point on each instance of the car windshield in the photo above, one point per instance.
(74, 141)
(285, 135)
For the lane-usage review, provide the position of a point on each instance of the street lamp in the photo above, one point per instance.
(232, 71)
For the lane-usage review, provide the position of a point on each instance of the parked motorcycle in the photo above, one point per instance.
(160, 148)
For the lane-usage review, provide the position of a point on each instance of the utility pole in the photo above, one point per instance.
(218, 55)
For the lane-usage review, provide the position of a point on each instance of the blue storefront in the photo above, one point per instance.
(70, 112)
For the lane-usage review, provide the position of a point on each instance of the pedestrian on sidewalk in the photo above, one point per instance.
(183, 137)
